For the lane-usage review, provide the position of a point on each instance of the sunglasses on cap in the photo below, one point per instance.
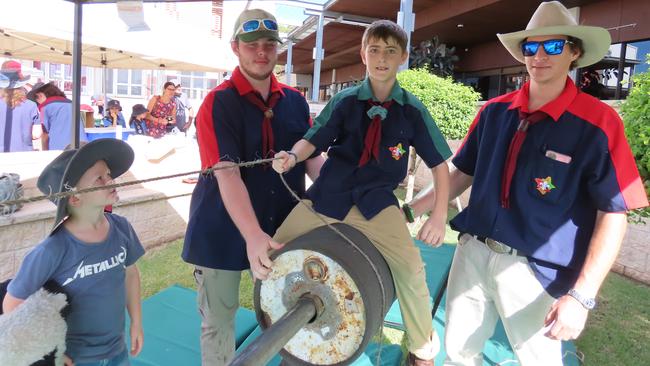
(552, 47)
(255, 24)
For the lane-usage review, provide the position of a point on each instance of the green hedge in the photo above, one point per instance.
(636, 116)
(452, 105)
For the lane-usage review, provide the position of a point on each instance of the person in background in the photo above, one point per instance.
(56, 117)
(184, 111)
(161, 118)
(114, 115)
(19, 123)
(138, 120)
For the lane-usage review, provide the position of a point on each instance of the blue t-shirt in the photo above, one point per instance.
(93, 277)
(56, 116)
(19, 121)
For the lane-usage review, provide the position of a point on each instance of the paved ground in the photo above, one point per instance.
(634, 259)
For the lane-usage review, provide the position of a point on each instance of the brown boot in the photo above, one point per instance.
(412, 360)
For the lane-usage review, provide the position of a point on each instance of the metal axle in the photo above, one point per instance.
(276, 337)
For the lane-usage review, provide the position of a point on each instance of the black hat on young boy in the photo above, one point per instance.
(64, 172)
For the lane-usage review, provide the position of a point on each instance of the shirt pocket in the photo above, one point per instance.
(394, 152)
(549, 177)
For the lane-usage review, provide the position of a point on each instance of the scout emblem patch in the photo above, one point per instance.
(397, 151)
(544, 185)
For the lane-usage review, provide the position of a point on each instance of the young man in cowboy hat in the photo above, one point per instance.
(90, 253)
(552, 177)
(234, 213)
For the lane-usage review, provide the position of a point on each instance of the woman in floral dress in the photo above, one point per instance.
(163, 112)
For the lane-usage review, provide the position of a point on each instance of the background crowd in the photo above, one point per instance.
(43, 112)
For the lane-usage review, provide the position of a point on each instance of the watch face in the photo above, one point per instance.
(590, 303)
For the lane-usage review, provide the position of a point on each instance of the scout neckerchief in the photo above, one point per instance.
(268, 142)
(377, 112)
(525, 121)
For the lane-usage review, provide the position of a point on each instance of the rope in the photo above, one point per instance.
(72, 191)
(349, 241)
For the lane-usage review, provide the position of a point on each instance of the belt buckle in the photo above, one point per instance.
(497, 246)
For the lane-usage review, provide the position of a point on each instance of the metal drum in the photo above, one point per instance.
(344, 284)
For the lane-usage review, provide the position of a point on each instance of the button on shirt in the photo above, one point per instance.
(571, 164)
(229, 128)
(342, 126)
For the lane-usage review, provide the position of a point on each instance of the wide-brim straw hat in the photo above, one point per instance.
(552, 18)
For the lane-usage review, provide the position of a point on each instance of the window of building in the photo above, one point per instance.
(196, 85)
(126, 83)
(603, 79)
(62, 76)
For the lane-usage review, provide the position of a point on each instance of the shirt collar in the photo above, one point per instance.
(244, 87)
(554, 108)
(365, 92)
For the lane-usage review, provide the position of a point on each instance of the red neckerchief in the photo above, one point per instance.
(552, 109)
(51, 100)
(525, 120)
(373, 136)
(268, 142)
(246, 90)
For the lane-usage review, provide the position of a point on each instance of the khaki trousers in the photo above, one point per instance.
(218, 300)
(485, 286)
(388, 232)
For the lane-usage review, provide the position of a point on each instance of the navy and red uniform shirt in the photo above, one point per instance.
(229, 127)
(573, 163)
(342, 126)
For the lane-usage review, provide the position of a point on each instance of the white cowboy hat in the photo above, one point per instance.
(552, 18)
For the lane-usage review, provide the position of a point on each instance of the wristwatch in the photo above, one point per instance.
(588, 303)
(408, 212)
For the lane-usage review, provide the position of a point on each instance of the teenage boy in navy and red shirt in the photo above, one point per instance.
(367, 131)
(233, 212)
(552, 177)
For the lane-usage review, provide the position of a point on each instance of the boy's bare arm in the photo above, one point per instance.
(299, 152)
(313, 165)
(10, 303)
(458, 183)
(441, 180)
(134, 307)
(433, 230)
(238, 204)
(133, 304)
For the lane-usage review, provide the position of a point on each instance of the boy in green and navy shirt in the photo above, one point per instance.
(367, 131)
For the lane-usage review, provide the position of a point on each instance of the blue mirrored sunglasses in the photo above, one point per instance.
(255, 24)
(552, 47)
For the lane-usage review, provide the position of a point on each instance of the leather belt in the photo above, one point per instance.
(497, 246)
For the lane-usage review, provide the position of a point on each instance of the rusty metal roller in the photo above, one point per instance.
(336, 291)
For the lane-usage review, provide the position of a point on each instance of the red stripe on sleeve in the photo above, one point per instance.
(605, 118)
(207, 138)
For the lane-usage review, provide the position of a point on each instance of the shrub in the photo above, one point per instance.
(636, 116)
(452, 105)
